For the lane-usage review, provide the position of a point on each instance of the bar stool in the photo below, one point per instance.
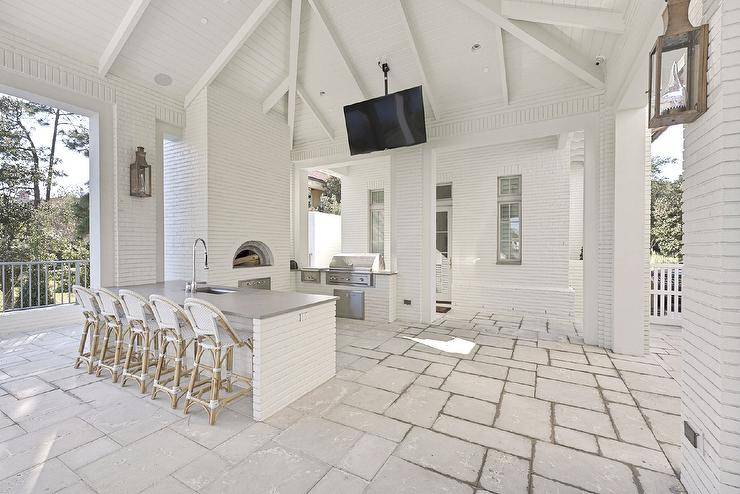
(91, 312)
(215, 334)
(115, 326)
(142, 337)
(174, 333)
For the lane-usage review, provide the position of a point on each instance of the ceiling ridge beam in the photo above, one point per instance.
(295, 35)
(321, 14)
(542, 42)
(498, 37)
(123, 32)
(234, 45)
(312, 108)
(428, 92)
(565, 15)
(275, 96)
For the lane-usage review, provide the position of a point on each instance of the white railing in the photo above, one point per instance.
(26, 285)
(666, 297)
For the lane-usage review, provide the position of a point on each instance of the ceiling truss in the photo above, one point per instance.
(122, 34)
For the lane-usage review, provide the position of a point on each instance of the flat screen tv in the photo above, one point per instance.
(391, 121)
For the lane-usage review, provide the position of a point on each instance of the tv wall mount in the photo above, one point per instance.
(385, 68)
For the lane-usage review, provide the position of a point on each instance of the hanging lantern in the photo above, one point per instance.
(141, 175)
(678, 69)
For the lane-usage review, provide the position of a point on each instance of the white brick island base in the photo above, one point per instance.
(293, 353)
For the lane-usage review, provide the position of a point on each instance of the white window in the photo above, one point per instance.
(510, 220)
(377, 223)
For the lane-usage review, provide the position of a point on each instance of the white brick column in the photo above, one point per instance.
(711, 304)
(428, 234)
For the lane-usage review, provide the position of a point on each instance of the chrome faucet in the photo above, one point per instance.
(193, 285)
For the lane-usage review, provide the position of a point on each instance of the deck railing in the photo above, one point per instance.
(666, 297)
(26, 285)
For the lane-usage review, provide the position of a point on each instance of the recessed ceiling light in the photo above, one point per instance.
(475, 48)
(485, 69)
(322, 93)
(204, 20)
(163, 79)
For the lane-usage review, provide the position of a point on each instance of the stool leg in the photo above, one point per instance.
(193, 377)
(119, 349)
(179, 356)
(229, 367)
(145, 360)
(83, 340)
(160, 368)
(103, 349)
(215, 386)
(127, 361)
(94, 346)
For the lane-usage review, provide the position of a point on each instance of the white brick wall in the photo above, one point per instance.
(711, 303)
(575, 229)
(540, 284)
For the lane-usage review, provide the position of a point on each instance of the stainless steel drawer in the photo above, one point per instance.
(351, 304)
(311, 276)
(259, 283)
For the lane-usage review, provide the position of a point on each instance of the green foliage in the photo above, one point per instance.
(331, 199)
(666, 221)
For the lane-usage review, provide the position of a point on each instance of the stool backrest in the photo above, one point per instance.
(87, 300)
(170, 316)
(136, 307)
(110, 304)
(208, 321)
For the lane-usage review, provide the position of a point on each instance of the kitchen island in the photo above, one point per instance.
(294, 337)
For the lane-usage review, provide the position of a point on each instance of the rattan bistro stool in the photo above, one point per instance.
(114, 326)
(141, 354)
(215, 335)
(174, 335)
(91, 312)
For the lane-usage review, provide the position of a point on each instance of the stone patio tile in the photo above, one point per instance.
(406, 363)
(592, 369)
(631, 427)
(447, 455)
(363, 352)
(541, 485)
(40, 411)
(363, 364)
(363, 420)
(584, 420)
(401, 477)
(10, 431)
(284, 418)
(27, 387)
(496, 352)
(431, 357)
(593, 473)
(322, 398)
(577, 358)
(612, 383)
(599, 359)
(635, 455)
(651, 384)
(673, 453)
(338, 481)
(471, 409)
(322, 439)
(139, 465)
(203, 470)
(372, 399)
(345, 359)
(659, 483)
(567, 375)
(90, 452)
(170, 485)
(439, 370)
(396, 345)
(348, 374)
(497, 341)
(78, 487)
(663, 403)
(516, 364)
(246, 442)
(429, 381)
(50, 476)
(576, 439)
(560, 346)
(23, 452)
(617, 397)
(482, 369)
(530, 354)
(273, 469)
(395, 380)
(639, 367)
(666, 427)
(519, 389)
(490, 437)
(418, 405)
(196, 427)
(504, 473)
(522, 376)
(525, 416)
(569, 394)
(474, 386)
(367, 456)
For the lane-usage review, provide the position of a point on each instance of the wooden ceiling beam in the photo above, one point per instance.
(122, 34)
(428, 92)
(316, 113)
(274, 96)
(234, 45)
(498, 37)
(295, 35)
(541, 41)
(564, 15)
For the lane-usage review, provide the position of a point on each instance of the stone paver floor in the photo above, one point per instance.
(530, 409)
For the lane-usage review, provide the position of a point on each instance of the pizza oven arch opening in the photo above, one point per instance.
(252, 254)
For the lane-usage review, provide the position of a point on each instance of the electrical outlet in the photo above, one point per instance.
(407, 302)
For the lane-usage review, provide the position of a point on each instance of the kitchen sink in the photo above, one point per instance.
(213, 290)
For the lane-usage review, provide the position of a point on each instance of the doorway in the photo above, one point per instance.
(443, 256)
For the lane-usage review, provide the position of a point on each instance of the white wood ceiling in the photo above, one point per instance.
(422, 40)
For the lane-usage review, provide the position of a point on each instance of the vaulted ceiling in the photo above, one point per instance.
(307, 59)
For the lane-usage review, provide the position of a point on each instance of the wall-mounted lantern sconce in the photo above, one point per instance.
(141, 175)
(678, 69)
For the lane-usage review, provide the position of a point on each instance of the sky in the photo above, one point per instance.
(670, 143)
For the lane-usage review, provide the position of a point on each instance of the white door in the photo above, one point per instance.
(443, 255)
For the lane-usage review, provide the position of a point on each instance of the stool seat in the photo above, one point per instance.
(142, 326)
(86, 299)
(115, 326)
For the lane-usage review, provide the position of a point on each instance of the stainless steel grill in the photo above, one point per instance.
(354, 269)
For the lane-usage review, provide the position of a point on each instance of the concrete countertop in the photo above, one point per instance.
(314, 270)
(245, 302)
